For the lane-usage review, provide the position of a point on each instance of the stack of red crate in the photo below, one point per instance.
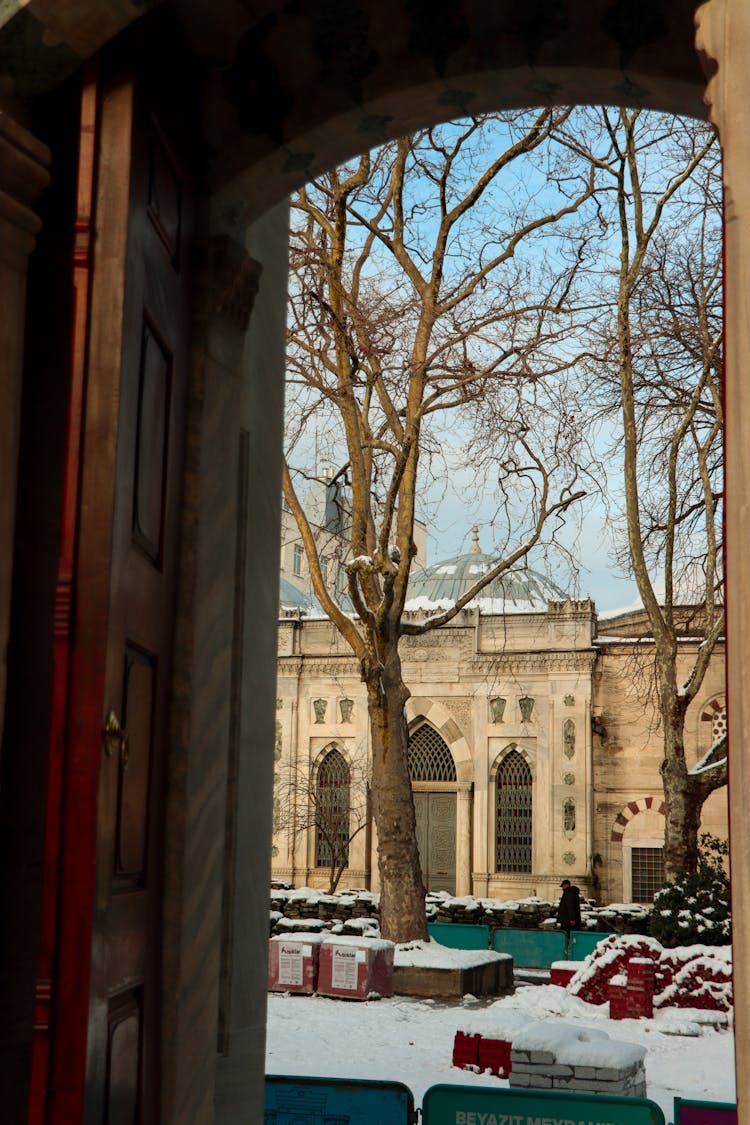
(480, 1053)
(466, 1050)
(355, 968)
(641, 976)
(618, 999)
(562, 972)
(293, 963)
(494, 1055)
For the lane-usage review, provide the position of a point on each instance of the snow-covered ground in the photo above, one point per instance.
(411, 1041)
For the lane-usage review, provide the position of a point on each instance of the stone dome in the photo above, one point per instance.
(519, 590)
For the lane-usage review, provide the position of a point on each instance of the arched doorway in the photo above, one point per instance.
(294, 114)
(433, 776)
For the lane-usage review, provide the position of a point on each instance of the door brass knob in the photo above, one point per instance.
(116, 740)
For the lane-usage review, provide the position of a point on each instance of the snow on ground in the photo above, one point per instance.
(403, 1039)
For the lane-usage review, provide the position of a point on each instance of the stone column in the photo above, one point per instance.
(23, 174)
(723, 40)
(240, 1073)
(463, 838)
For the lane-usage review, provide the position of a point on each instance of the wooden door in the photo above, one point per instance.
(105, 1039)
(436, 839)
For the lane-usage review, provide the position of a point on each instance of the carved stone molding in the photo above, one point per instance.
(517, 663)
(311, 667)
(460, 709)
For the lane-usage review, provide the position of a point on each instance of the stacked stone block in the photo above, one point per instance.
(540, 1070)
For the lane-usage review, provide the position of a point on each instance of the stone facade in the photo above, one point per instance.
(568, 693)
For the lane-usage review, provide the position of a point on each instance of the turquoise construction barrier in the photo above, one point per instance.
(530, 949)
(583, 942)
(460, 935)
(310, 1101)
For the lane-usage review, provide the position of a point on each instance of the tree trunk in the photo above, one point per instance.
(402, 893)
(683, 794)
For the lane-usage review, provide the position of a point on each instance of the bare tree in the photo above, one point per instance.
(411, 300)
(331, 803)
(660, 328)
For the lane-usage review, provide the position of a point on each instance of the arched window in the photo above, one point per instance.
(429, 756)
(513, 814)
(331, 801)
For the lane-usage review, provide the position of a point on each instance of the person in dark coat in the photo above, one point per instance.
(569, 911)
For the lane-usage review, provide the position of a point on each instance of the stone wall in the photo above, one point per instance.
(288, 905)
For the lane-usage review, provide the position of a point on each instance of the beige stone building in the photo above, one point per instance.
(534, 744)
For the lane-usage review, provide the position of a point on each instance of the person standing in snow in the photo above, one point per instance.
(569, 911)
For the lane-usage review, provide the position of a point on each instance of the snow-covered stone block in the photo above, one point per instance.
(566, 1057)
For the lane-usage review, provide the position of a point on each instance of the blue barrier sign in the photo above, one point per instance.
(478, 1105)
(312, 1101)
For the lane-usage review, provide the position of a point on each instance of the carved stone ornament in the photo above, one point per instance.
(569, 700)
(320, 706)
(526, 703)
(569, 738)
(569, 858)
(569, 778)
(569, 815)
(345, 707)
(497, 708)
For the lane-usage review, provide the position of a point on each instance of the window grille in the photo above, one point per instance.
(647, 872)
(332, 811)
(719, 724)
(429, 757)
(514, 814)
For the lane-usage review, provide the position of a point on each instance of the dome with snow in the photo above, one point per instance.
(518, 590)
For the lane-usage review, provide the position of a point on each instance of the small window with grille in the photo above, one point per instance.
(332, 811)
(513, 814)
(647, 873)
(429, 756)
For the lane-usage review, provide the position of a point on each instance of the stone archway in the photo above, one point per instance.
(437, 715)
(289, 115)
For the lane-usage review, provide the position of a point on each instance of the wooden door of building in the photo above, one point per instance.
(436, 839)
(104, 1064)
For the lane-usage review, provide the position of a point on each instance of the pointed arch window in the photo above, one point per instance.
(332, 811)
(513, 787)
(429, 756)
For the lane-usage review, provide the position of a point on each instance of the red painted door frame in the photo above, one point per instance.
(62, 642)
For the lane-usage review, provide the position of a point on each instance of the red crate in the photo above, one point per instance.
(466, 1050)
(494, 1055)
(293, 963)
(641, 971)
(619, 1005)
(355, 968)
(560, 976)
